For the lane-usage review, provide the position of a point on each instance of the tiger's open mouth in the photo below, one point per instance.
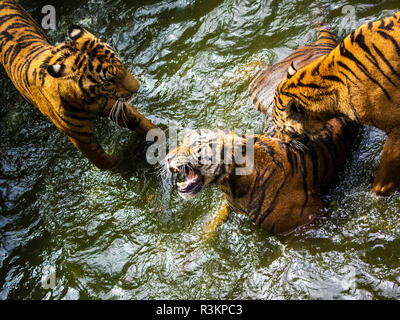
(193, 184)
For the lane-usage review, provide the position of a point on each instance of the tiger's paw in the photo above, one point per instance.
(108, 163)
(385, 184)
(384, 190)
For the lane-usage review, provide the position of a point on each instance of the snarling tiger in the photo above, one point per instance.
(70, 83)
(280, 192)
(360, 79)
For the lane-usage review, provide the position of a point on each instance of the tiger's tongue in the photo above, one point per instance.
(191, 179)
(191, 175)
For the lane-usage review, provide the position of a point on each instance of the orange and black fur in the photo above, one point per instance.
(70, 83)
(281, 192)
(263, 87)
(360, 79)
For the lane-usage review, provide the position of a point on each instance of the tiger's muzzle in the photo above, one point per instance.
(193, 183)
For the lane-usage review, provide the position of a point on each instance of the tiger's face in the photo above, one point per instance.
(200, 158)
(301, 105)
(291, 119)
(93, 65)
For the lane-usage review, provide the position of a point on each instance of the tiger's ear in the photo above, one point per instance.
(291, 71)
(56, 70)
(75, 32)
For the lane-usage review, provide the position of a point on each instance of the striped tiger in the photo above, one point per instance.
(360, 79)
(264, 84)
(280, 194)
(71, 83)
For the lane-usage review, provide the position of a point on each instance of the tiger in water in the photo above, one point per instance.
(359, 79)
(71, 83)
(281, 192)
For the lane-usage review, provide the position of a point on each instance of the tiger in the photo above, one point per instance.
(71, 83)
(263, 85)
(359, 79)
(280, 192)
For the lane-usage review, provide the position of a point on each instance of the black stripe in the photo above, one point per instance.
(266, 214)
(85, 44)
(360, 40)
(289, 154)
(90, 64)
(306, 85)
(347, 54)
(347, 78)
(333, 78)
(316, 69)
(303, 168)
(356, 115)
(254, 209)
(90, 78)
(19, 25)
(314, 160)
(69, 123)
(390, 38)
(10, 16)
(344, 66)
(382, 56)
(292, 95)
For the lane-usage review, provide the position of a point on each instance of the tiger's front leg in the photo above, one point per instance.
(221, 217)
(388, 176)
(94, 152)
(127, 116)
(136, 121)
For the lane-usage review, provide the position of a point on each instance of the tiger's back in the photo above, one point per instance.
(262, 88)
(22, 41)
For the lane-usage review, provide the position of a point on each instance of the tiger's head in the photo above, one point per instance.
(93, 65)
(295, 104)
(205, 157)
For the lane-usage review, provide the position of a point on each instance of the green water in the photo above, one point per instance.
(126, 234)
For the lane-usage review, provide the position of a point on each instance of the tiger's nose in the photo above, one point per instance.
(131, 84)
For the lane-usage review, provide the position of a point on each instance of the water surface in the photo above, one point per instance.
(126, 234)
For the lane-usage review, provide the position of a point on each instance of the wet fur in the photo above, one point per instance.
(71, 83)
(360, 79)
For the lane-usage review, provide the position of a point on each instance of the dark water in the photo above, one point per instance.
(126, 234)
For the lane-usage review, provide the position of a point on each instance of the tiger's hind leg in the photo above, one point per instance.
(94, 152)
(388, 176)
(325, 36)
